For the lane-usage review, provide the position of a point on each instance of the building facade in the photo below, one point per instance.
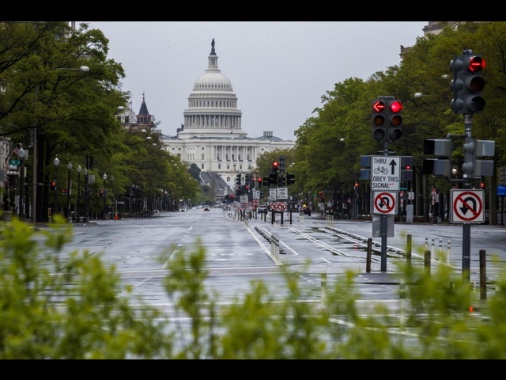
(211, 136)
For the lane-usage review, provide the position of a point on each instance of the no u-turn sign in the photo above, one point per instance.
(467, 206)
(385, 202)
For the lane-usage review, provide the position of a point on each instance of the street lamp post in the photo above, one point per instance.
(104, 194)
(78, 207)
(85, 213)
(67, 210)
(112, 196)
(21, 155)
(56, 162)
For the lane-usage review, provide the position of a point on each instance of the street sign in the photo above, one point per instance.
(467, 206)
(385, 202)
(14, 162)
(282, 193)
(278, 206)
(272, 194)
(385, 173)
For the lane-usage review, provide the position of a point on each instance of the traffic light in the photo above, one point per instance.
(394, 119)
(406, 168)
(281, 180)
(473, 167)
(247, 179)
(275, 166)
(438, 167)
(273, 179)
(290, 178)
(101, 192)
(282, 160)
(365, 171)
(238, 179)
(467, 83)
(53, 185)
(379, 119)
(259, 182)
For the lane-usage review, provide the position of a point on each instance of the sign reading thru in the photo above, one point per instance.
(385, 173)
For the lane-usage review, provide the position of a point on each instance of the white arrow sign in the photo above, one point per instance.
(385, 173)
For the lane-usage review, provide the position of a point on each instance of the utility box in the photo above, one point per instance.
(409, 213)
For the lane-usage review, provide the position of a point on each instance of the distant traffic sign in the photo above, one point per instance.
(278, 206)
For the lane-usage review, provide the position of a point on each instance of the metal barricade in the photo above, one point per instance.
(275, 247)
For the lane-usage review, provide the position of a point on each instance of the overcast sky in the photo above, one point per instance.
(279, 70)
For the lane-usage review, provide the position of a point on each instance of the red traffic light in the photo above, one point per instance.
(378, 106)
(275, 165)
(378, 113)
(395, 106)
(475, 64)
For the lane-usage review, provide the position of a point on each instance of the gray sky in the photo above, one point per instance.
(278, 70)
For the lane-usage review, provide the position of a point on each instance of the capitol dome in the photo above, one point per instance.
(212, 106)
(211, 136)
(212, 80)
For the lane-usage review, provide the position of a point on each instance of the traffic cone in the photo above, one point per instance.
(116, 216)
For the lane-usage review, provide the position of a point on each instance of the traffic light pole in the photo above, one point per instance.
(466, 227)
(384, 226)
(386, 123)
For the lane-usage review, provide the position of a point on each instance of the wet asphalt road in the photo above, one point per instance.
(236, 253)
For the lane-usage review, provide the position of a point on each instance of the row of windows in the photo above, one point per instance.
(214, 85)
(215, 120)
(213, 103)
(239, 158)
(203, 167)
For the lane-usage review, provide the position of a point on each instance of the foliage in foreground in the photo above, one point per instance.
(70, 306)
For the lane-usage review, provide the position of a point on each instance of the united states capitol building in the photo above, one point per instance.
(211, 136)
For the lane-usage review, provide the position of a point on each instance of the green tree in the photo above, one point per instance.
(43, 317)
(55, 306)
(326, 162)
